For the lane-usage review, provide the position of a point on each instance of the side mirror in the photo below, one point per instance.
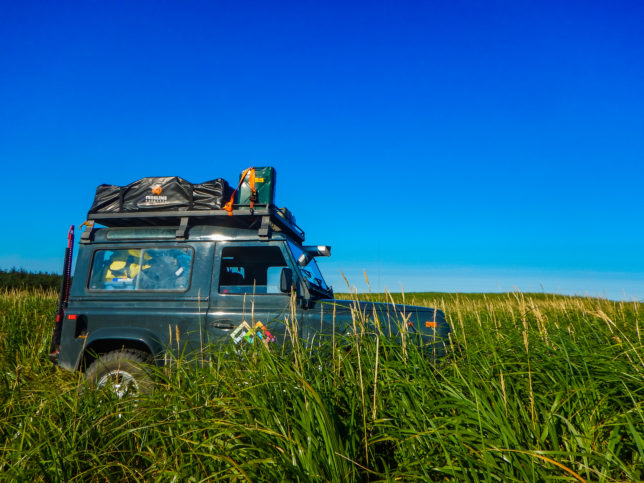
(286, 280)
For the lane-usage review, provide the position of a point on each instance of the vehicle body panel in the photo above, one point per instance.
(175, 323)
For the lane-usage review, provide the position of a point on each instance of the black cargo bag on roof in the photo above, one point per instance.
(166, 193)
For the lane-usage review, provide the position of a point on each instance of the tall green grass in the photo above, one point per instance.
(539, 387)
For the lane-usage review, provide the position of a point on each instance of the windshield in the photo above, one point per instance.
(310, 271)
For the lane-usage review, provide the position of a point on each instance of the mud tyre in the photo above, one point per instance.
(122, 372)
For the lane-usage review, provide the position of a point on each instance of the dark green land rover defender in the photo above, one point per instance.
(178, 266)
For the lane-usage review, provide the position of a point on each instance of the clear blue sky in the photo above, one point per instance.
(461, 145)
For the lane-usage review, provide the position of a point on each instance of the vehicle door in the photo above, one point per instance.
(245, 301)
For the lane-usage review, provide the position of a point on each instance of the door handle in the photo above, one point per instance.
(222, 324)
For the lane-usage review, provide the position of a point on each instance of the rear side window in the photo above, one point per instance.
(141, 269)
(251, 269)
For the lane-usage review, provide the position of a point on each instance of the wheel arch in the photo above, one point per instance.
(111, 339)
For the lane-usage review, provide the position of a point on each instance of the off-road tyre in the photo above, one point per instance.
(123, 370)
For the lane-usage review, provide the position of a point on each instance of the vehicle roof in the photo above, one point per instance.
(167, 234)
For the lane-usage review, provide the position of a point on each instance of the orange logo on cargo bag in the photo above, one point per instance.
(156, 189)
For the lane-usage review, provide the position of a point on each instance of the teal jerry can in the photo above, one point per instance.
(264, 186)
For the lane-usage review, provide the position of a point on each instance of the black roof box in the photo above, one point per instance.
(173, 201)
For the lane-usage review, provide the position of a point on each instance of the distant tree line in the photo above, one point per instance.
(24, 280)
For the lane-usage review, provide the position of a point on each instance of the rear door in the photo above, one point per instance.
(245, 300)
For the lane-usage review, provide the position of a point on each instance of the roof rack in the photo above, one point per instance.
(263, 218)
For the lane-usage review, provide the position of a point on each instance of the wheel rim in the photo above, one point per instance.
(120, 381)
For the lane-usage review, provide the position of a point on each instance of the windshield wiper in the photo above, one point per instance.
(319, 289)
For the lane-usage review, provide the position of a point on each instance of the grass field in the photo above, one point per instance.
(541, 388)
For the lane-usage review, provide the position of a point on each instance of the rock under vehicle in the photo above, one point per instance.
(177, 266)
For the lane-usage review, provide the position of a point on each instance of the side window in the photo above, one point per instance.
(141, 269)
(251, 269)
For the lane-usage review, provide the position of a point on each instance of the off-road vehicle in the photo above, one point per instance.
(178, 266)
